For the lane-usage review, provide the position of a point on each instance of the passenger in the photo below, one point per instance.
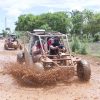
(54, 48)
(62, 48)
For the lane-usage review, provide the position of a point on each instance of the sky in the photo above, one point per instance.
(11, 9)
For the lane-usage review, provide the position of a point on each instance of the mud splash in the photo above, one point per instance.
(32, 77)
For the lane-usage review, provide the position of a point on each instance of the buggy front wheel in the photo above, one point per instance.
(83, 70)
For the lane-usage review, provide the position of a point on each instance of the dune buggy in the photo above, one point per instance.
(46, 61)
(11, 42)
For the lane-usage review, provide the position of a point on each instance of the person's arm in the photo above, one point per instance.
(52, 47)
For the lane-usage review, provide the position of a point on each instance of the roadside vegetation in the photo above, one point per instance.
(74, 22)
(82, 26)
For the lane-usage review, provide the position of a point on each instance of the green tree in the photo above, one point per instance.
(20, 23)
(46, 27)
(58, 21)
(77, 22)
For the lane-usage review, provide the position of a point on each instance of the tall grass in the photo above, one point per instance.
(79, 46)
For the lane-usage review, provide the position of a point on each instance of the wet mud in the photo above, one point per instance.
(10, 89)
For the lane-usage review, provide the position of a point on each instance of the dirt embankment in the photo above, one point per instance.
(74, 90)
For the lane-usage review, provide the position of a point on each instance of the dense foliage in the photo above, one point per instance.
(74, 22)
(79, 46)
(83, 26)
(58, 21)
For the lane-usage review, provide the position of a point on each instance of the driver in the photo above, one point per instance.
(37, 49)
(14, 40)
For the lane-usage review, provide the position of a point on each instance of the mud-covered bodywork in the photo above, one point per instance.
(44, 60)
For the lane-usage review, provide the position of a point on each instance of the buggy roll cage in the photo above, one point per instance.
(62, 36)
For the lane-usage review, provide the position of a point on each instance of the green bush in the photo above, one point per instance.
(75, 44)
(85, 38)
(97, 37)
(78, 46)
(90, 38)
(83, 49)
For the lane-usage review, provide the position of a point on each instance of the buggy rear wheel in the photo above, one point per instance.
(83, 70)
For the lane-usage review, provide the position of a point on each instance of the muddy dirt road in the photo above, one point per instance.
(74, 90)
